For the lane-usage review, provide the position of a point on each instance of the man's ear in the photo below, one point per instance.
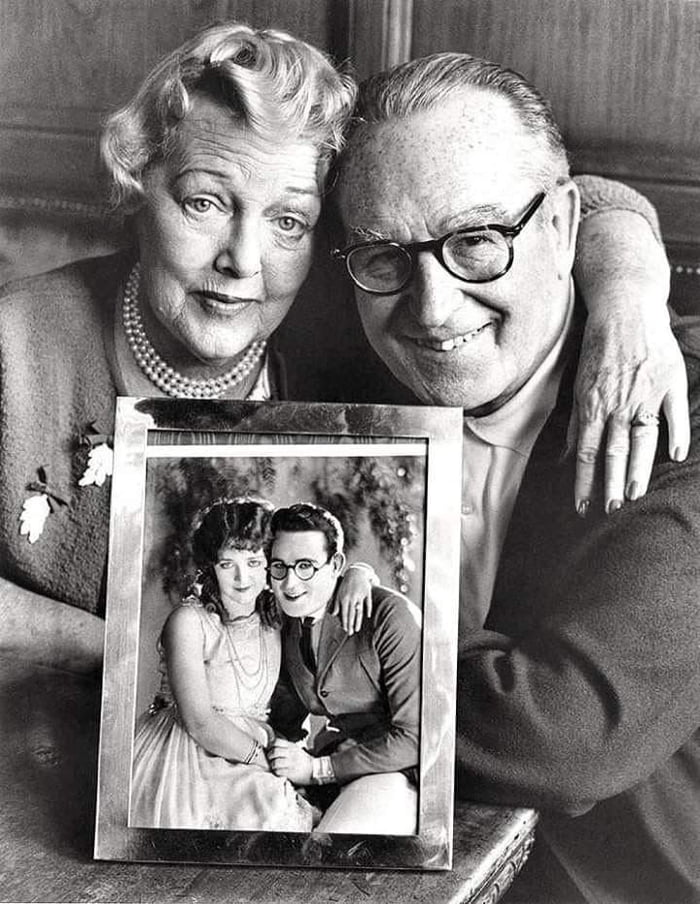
(338, 562)
(565, 206)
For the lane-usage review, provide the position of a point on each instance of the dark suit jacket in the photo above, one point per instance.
(582, 696)
(367, 685)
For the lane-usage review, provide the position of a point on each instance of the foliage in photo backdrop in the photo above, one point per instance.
(384, 493)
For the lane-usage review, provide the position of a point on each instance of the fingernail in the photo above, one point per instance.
(582, 507)
(677, 454)
(613, 506)
(632, 490)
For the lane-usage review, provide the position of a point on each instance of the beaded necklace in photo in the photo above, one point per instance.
(255, 680)
(159, 372)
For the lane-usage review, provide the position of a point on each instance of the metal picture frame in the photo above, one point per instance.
(250, 441)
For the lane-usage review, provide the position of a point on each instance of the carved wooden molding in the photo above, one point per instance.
(686, 270)
(52, 205)
(625, 162)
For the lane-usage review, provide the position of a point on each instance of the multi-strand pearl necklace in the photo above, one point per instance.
(159, 372)
(255, 681)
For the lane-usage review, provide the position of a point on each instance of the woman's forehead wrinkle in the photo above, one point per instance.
(229, 156)
(215, 159)
(212, 133)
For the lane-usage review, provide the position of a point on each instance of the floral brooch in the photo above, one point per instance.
(46, 500)
(36, 509)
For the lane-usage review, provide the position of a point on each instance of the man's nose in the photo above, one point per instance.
(240, 253)
(290, 580)
(433, 294)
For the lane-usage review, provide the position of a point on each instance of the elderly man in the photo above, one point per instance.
(365, 685)
(581, 695)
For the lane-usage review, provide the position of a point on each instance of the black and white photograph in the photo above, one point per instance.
(482, 209)
(270, 569)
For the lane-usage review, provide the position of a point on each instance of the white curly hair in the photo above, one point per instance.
(282, 88)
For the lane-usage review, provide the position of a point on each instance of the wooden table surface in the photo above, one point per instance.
(48, 755)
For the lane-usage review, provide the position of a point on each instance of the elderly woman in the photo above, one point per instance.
(221, 158)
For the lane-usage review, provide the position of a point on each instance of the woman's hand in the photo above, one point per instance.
(354, 596)
(269, 733)
(260, 760)
(631, 369)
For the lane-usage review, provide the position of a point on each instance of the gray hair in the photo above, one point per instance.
(425, 83)
(283, 88)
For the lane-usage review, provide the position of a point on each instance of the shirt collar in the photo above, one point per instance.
(517, 424)
(321, 612)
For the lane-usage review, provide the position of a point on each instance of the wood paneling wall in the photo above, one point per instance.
(64, 63)
(624, 80)
(623, 76)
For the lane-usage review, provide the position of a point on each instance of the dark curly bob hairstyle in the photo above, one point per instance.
(239, 523)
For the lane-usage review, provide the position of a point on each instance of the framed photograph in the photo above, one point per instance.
(250, 714)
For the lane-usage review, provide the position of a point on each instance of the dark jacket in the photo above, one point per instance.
(366, 684)
(582, 695)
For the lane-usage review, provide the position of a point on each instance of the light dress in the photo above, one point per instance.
(176, 783)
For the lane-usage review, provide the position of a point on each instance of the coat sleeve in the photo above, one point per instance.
(606, 687)
(397, 641)
(599, 195)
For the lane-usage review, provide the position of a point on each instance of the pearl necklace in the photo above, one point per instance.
(159, 372)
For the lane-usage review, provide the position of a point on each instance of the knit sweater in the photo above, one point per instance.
(55, 382)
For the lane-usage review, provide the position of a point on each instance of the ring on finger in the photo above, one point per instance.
(644, 418)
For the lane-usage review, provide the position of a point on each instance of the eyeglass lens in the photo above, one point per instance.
(474, 256)
(303, 569)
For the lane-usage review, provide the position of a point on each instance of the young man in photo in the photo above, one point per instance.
(366, 685)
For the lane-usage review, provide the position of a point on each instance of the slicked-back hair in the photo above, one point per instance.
(425, 83)
(304, 516)
(282, 88)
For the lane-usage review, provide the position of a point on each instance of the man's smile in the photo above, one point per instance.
(448, 345)
(294, 596)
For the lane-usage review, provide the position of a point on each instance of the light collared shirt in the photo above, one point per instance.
(497, 447)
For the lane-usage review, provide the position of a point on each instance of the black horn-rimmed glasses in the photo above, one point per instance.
(476, 254)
